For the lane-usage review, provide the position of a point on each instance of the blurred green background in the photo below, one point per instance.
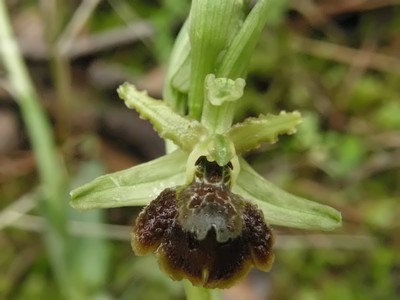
(337, 62)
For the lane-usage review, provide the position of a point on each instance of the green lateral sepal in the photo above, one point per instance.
(282, 208)
(135, 186)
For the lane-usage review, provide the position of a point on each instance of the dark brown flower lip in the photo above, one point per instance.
(203, 232)
(205, 262)
(211, 264)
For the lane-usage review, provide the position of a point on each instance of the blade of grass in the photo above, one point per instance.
(49, 165)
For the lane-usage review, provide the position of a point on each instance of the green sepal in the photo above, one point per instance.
(252, 132)
(135, 186)
(183, 132)
(282, 208)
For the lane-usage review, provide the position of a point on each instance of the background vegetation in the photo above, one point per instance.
(337, 62)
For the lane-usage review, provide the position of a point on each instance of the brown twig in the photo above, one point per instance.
(94, 43)
(346, 55)
(345, 6)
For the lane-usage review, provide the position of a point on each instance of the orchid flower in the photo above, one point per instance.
(208, 213)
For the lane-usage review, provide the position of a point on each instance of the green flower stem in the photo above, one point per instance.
(39, 131)
(199, 293)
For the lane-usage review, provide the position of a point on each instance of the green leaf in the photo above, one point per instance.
(236, 59)
(183, 132)
(212, 24)
(135, 186)
(178, 71)
(282, 208)
(181, 80)
(177, 80)
(253, 131)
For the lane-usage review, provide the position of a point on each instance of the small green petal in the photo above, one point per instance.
(135, 186)
(183, 132)
(253, 131)
(282, 208)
